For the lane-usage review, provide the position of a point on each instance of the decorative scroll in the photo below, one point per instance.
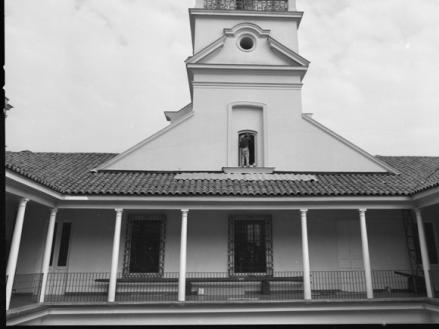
(256, 5)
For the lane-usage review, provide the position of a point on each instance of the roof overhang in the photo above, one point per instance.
(427, 198)
(26, 188)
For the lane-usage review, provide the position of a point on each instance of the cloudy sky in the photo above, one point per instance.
(96, 75)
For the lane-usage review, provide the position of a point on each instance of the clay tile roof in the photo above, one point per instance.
(70, 173)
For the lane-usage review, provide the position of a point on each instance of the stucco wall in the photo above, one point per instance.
(206, 133)
(210, 28)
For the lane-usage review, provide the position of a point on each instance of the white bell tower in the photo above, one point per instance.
(246, 72)
(245, 78)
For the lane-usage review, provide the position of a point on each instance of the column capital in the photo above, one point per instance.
(54, 211)
(417, 211)
(24, 201)
(362, 210)
(118, 210)
(185, 211)
(304, 210)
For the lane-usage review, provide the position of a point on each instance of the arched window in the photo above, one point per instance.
(247, 149)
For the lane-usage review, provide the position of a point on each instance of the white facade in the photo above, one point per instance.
(245, 76)
(265, 82)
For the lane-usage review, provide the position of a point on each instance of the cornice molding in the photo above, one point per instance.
(255, 85)
(293, 15)
(250, 67)
(288, 52)
(206, 51)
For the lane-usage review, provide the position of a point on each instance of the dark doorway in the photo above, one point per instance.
(247, 149)
(250, 249)
(145, 246)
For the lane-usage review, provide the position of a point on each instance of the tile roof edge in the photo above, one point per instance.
(35, 179)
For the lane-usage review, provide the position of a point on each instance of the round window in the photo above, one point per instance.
(246, 43)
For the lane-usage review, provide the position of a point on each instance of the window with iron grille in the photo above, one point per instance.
(144, 247)
(250, 245)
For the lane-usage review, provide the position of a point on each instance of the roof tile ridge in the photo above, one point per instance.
(421, 184)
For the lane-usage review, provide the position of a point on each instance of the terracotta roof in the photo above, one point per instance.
(70, 173)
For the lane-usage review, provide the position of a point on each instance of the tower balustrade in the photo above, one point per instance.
(250, 5)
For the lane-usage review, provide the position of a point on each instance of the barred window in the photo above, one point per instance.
(144, 252)
(250, 243)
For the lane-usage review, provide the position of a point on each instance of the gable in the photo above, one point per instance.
(260, 49)
(201, 142)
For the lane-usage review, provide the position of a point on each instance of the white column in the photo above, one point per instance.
(424, 252)
(115, 256)
(366, 257)
(183, 254)
(13, 252)
(305, 255)
(47, 253)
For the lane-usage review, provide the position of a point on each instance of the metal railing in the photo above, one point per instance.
(253, 5)
(26, 289)
(147, 288)
(338, 285)
(391, 284)
(76, 287)
(216, 286)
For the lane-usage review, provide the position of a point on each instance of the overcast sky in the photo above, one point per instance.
(96, 75)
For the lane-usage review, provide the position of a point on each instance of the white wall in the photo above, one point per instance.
(92, 236)
(210, 28)
(200, 143)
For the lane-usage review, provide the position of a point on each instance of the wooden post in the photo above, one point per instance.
(115, 256)
(15, 247)
(366, 257)
(424, 252)
(47, 253)
(305, 256)
(183, 254)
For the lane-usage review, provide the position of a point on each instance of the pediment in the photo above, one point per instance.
(261, 49)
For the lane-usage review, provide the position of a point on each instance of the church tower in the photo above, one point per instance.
(245, 78)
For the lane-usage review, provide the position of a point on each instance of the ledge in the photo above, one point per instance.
(251, 170)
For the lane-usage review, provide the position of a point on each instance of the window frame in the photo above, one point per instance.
(131, 218)
(268, 244)
(56, 245)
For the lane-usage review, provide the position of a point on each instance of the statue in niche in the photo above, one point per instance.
(244, 149)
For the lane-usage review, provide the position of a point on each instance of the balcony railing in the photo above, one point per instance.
(253, 5)
(26, 289)
(203, 287)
